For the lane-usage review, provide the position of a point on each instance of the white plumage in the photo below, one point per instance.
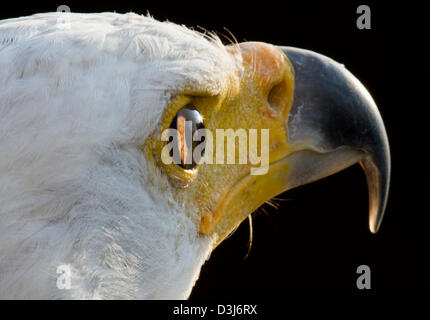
(76, 105)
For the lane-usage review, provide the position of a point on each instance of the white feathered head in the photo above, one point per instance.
(83, 186)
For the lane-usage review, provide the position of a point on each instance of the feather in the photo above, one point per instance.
(76, 105)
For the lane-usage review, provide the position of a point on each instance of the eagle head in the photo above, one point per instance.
(99, 181)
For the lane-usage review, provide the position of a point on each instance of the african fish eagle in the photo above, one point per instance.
(82, 184)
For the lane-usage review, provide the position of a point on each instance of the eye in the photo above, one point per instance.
(186, 122)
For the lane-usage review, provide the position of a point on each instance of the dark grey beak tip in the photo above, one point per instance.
(333, 109)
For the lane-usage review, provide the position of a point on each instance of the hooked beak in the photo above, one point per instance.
(321, 121)
(334, 123)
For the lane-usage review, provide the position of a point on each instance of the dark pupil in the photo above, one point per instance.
(186, 122)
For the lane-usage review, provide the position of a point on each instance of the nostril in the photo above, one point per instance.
(278, 97)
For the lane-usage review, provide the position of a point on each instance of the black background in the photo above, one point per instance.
(313, 243)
